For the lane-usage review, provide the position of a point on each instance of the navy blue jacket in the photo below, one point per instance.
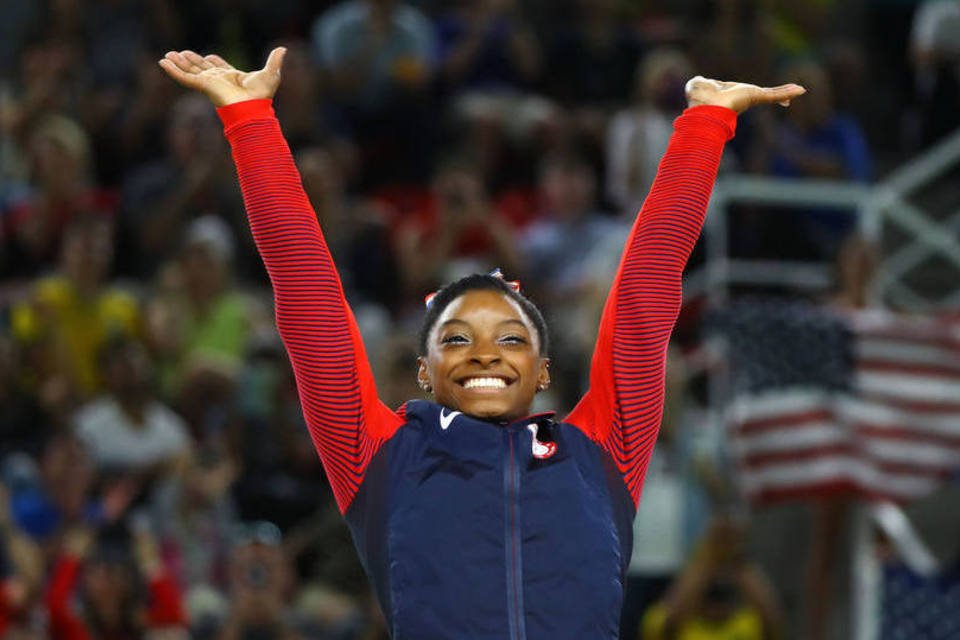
(466, 533)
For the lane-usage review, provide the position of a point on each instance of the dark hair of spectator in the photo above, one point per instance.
(481, 282)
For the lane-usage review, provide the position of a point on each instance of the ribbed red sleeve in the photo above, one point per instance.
(347, 422)
(622, 409)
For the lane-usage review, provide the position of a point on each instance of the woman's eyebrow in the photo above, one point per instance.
(512, 321)
(499, 324)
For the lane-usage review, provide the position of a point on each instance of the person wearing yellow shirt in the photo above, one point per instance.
(718, 596)
(71, 313)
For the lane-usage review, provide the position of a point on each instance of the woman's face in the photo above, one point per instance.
(483, 357)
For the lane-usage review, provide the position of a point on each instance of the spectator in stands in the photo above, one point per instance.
(935, 54)
(457, 232)
(378, 55)
(719, 595)
(24, 423)
(163, 196)
(200, 323)
(735, 37)
(127, 430)
(815, 142)
(71, 314)
(357, 229)
(141, 126)
(56, 494)
(374, 49)
(59, 190)
(282, 479)
(486, 46)
(598, 52)
(489, 62)
(638, 136)
(598, 55)
(260, 587)
(111, 589)
(21, 572)
(195, 519)
(555, 250)
(569, 225)
(309, 117)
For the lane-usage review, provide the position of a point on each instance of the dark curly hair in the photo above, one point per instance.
(480, 282)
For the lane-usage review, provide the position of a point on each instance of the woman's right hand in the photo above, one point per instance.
(219, 81)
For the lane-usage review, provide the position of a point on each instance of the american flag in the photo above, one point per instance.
(826, 402)
(918, 608)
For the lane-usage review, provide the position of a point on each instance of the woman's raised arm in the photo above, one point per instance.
(622, 409)
(347, 421)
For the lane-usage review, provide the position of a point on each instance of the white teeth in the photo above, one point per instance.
(493, 383)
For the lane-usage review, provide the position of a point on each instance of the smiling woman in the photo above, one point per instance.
(482, 353)
(473, 519)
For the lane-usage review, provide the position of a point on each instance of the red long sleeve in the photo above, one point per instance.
(347, 422)
(64, 623)
(166, 605)
(623, 407)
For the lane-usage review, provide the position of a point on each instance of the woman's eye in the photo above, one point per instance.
(514, 340)
(455, 339)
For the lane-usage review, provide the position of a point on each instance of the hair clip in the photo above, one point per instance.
(513, 284)
(496, 273)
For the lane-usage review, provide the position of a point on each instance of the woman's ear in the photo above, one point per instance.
(543, 376)
(423, 375)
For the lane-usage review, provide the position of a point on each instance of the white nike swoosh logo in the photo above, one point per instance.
(446, 420)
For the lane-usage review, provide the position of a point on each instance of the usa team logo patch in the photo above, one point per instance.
(541, 450)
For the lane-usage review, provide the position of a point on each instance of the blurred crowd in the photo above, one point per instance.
(157, 479)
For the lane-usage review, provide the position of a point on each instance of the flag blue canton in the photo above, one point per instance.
(917, 608)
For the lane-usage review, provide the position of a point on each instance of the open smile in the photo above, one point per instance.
(485, 384)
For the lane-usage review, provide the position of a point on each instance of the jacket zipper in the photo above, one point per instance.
(511, 486)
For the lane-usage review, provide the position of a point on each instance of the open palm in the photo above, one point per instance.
(738, 96)
(219, 81)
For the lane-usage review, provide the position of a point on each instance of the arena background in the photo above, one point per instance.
(150, 425)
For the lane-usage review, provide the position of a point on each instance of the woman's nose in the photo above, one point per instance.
(485, 354)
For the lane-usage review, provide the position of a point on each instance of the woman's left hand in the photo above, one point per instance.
(219, 81)
(738, 96)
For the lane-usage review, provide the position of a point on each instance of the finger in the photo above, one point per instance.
(780, 95)
(217, 61)
(186, 79)
(275, 60)
(177, 59)
(196, 60)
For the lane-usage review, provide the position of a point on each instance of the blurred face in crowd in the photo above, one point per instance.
(127, 370)
(321, 174)
(816, 111)
(458, 187)
(299, 74)
(59, 154)
(483, 357)
(87, 251)
(67, 474)
(567, 188)
(193, 131)
(204, 271)
(107, 584)
(662, 78)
